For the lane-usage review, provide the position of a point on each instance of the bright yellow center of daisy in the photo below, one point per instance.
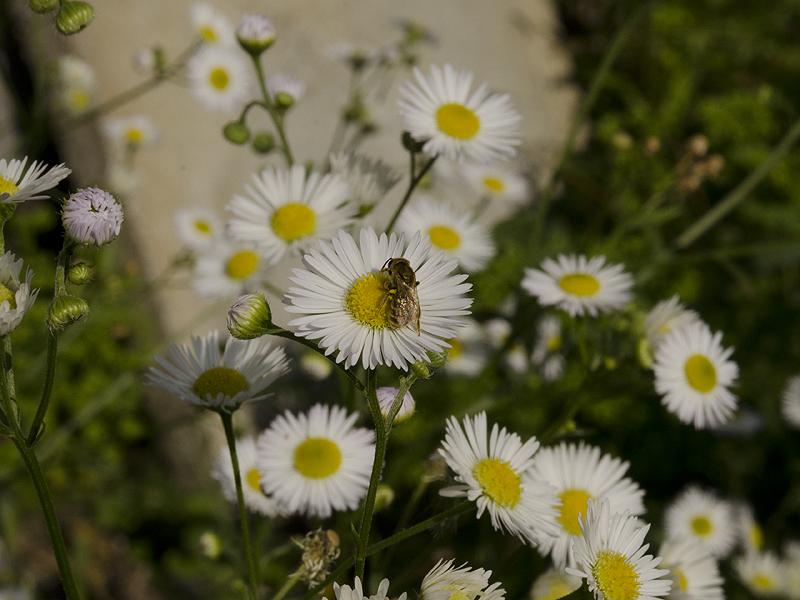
(134, 136)
(208, 34)
(498, 481)
(317, 458)
(294, 221)
(220, 380)
(202, 226)
(574, 503)
(553, 343)
(242, 264)
(7, 186)
(253, 479)
(615, 576)
(756, 537)
(579, 284)
(455, 350)
(558, 589)
(219, 78)
(444, 237)
(702, 526)
(493, 184)
(458, 121)
(6, 295)
(762, 582)
(700, 373)
(680, 579)
(458, 595)
(368, 301)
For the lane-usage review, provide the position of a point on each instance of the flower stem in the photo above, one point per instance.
(274, 113)
(230, 437)
(413, 182)
(290, 582)
(50, 370)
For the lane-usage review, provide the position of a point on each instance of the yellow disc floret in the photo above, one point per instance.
(700, 373)
(498, 481)
(580, 284)
(458, 121)
(293, 221)
(702, 526)
(494, 184)
(574, 503)
(444, 237)
(368, 300)
(219, 78)
(7, 186)
(7, 295)
(220, 380)
(202, 226)
(317, 458)
(242, 264)
(615, 577)
(253, 478)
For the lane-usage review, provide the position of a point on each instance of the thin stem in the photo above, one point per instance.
(275, 115)
(290, 582)
(49, 376)
(413, 182)
(230, 437)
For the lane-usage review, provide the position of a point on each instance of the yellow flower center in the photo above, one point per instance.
(368, 300)
(553, 343)
(498, 481)
(459, 595)
(763, 582)
(202, 226)
(134, 136)
(78, 100)
(700, 373)
(493, 184)
(219, 78)
(580, 284)
(574, 503)
(220, 380)
(558, 589)
(253, 478)
(7, 186)
(702, 526)
(444, 237)
(615, 576)
(294, 221)
(680, 579)
(242, 264)
(458, 121)
(7, 295)
(317, 458)
(756, 537)
(455, 350)
(208, 34)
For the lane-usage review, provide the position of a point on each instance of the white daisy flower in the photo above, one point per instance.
(317, 462)
(19, 184)
(610, 555)
(693, 374)
(254, 497)
(547, 348)
(761, 573)
(496, 183)
(345, 592)
(497, 331)
(369, 179)
(447, 582)
(130, 132)
(495, 471)
(16, 295)
(456, 121)
(704, 518)
(288, 209)
(750, 534)
(92, 216)
(280, 83)
(695, 574)
(316, 366)
(220, 78)
(467, 353)
(203, 373)
(386, 397)
(197, 227)
(790, 402)
(342, 299)
(211, 26)
(554, 584)
(450, 230)
(225, 270)
(76, 84)
(516, 359)
(667, 316)
(578, 474)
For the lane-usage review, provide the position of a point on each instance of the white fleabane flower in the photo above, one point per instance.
(254, 497)
(494, 470)
(288, 209)
(131, 132)
(761, 573)
(345, 592)
(695, 574)
(92, 216)
(497, 184)
(203, 373)
(452, 231)
(547, 348)
(693, 374)
(704, 518)
(75, 83)
(386, 397)
(255, 33)
(317, 462)
(667, 316)
(369, 179)
(790, 402)
(554, 584)
(16, 295)
(210, 25)
(610, 555)
(497, 331)
(468, 352)
(225, 270)
(342, 298)
(447, 582)
(280, 83)
(749, 532)
(220, 78)
(579, 285)
(197, 227)
(456, 121)
(516, 359)
(19, 184)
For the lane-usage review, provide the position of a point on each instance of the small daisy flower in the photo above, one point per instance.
(452, 231)
(695, 574)
(456, 121)
(447, 582)
(386, 397)
(131, 132)
(288, 209)
(667, 316)
(345, 592)
(790, 402)
(761, 573)
(554, 584)
(219, 78)
(369, 179)
(704, 518)
(750, 533)
(254, 497)
(693, 374)
(342, 299)
(280, 83)
(495, 471)
(497, 331)
(225, 270)
(498, 184)
(255, 33)
(547, 349)
(203, 373)
(19, 184)
(76, 84)
(211, 26)
(316, 366)
(92, 216)
(579, 285)
(579, 474)
(610, 555)
(467, 353)
(316, 462)
(198, 228)
(516, 359)
(16, 295)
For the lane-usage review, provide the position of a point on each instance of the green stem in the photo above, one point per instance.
(413, 182)
(735, 197)
(49, 376)
(290, 582)
(275, 115)
(230, 437)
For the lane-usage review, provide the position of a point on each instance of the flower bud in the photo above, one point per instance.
(421, 370)
(249, 317)
(210, 545)
(384, 496)
(255, 34)
(80, 273)
(92, 216)
(437, 359)
(66, 310)
(263, 143)
(42, 6)
(386, 396)
(73, 16)
(236, 132)
(284, 100)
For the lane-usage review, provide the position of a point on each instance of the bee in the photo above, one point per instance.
(401, 287)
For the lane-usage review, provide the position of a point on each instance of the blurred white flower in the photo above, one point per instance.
(666, 316)
(75, 84)
(211, 26)
(761, 573)
(790, 402)
(16, 295)
(130, 132)
(198, 228)
(220, 78)
(254, 497)
(227, 270)
(704, 518)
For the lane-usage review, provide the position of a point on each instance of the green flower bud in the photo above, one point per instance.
(384, 496)
(644, 353)
(73, 16)
(236, 132)
(42, 6)
(66, 310)
(7, 210)
(284, 100)
(255, 34)
(80, 273)
(249, 317)
(421, 370)
(437, 359)
(263, 143)
(210, 545)
(411, 144)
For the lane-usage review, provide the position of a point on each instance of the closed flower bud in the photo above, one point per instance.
(236, 132)
(92, 216)
(255, 34)
(421, 370)
(249, 317)
(384, 497)
(263, 143)
(437, 359)
(80, 273)
(73, 16)
(66, 310)
(42, 6)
